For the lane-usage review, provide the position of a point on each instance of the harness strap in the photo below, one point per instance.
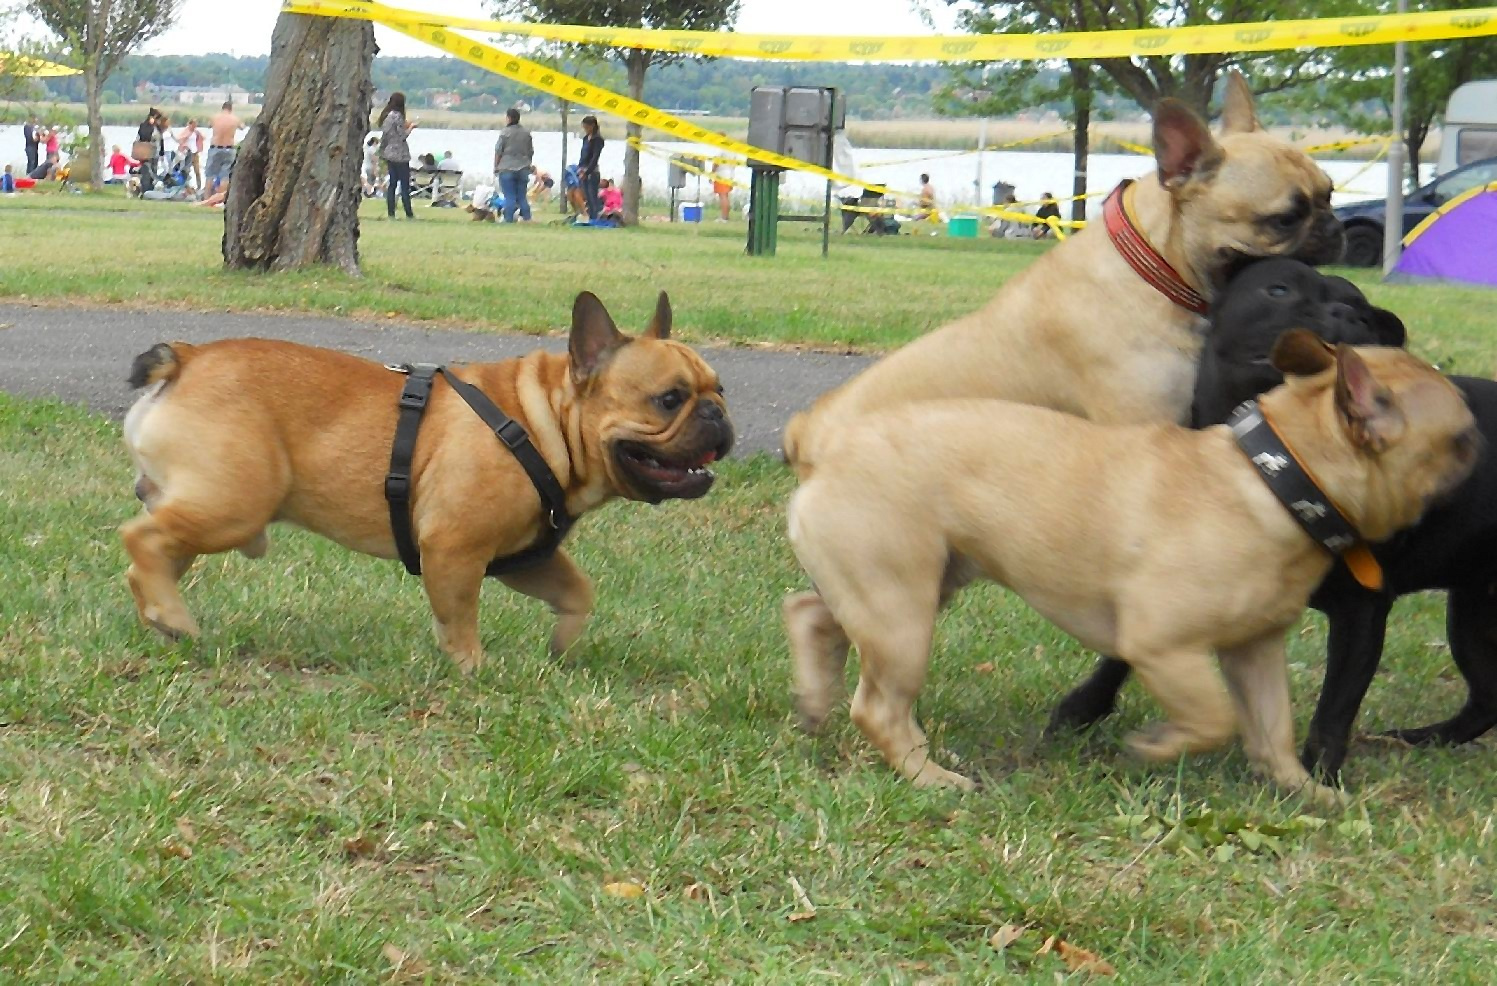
(413, 399)
(511, 434)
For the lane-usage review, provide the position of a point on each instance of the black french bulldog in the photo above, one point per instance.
(1454, 547)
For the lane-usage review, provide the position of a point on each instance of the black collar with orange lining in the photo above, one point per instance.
(1289, 480)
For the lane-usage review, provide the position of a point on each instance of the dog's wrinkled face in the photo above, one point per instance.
(1414, 438)
(657, 406)
(1245, 196)
(1262, 302)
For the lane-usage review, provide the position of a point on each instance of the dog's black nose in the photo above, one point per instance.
(1340, 311)
(708, 411)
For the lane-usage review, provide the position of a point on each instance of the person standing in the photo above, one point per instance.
(225, 131)
(927, 199)
(587, 165)
(144, 150)
(33, 150)
(190, 145)
(393, 131)
(722, 187)
(512, 154)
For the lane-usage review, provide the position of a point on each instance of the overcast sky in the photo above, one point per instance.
(242, 27)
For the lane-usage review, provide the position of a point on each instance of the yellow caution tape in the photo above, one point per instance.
(1342, 145)
(1329, 32)
(690, 169)
(568, 87)
(26, 67)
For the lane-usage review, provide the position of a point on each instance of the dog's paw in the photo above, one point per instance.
(1160, 742)
(173, 628)
(931, 776)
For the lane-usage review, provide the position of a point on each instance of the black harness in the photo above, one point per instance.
(1288, 480)
(511, 434)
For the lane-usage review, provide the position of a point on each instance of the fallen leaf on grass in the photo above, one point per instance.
(1077, 959)
(176, 850)
(405, 967)
(627, 890)
(986, 667)
(807, 909)
(695, 891)
(1006, 936)
(360, 846)
(799, 916)
(186, 831)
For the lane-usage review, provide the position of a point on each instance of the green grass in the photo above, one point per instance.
(310, 792)
(871, 294)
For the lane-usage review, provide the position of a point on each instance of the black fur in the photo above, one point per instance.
(1453, 548)
(147, 365)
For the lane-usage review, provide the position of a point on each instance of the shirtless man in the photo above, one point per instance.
(221, 147)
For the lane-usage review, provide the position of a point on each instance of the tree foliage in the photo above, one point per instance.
(1358, 95)
(686, 15)
(97, 34)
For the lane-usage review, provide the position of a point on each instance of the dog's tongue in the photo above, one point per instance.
(707, 459)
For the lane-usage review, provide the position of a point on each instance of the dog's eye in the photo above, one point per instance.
(1277, 290)
(1287, 220)
(671, 400)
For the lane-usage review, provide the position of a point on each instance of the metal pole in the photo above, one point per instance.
(1393, 217)
(982, 136)
(561, 174)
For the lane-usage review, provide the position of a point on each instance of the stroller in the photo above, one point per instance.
(171, 183)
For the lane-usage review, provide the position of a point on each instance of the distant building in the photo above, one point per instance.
(150, 92)
(443, 100)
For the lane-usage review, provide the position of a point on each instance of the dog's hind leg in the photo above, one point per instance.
(162, 545)
(560, 584)
(1471, 625)
(1259, 682)
(818, 648)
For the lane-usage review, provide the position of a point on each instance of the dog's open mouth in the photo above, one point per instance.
(659, 475)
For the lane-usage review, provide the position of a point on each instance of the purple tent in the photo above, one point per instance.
(1456, 243)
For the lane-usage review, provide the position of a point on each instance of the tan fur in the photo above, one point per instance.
(1078, 330)
(1155, 543)
(247, 432)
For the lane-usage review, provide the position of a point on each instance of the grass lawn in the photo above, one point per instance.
(872, 293)
(311, 793)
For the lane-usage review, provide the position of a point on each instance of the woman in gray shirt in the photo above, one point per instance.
(512, 156)
(396, 152)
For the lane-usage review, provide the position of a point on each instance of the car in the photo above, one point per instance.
(1364, 220)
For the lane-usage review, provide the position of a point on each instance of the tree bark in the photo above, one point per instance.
(637, 61)
(294, 196)
(1081, 101)
(91, 85)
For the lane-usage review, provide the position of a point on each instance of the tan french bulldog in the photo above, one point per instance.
(1079, 330)
(235, 435)
(1152, 542)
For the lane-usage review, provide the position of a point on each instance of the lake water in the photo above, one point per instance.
(1030, 172)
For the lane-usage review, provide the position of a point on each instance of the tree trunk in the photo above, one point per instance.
(1081, 101)
(91, 85)
(294, 195)
(637, 61)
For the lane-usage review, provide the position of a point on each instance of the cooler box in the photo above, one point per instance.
(25, 183)
(962, 226)
(691, 212)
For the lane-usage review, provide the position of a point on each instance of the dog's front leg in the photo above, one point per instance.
(1188, 689)
(1259, 682)
(564, 587)
(818, 647)
(452, 580)
(1358, 621)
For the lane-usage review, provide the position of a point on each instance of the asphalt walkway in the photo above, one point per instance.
(81, 355)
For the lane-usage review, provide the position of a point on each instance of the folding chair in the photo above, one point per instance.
(423, 184)
(449, 189)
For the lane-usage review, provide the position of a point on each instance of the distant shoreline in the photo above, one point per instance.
(934, 133)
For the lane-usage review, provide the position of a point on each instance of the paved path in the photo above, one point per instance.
(81, 355)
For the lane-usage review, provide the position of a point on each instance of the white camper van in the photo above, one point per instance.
(1470, 132)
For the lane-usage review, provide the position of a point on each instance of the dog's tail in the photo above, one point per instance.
(796, 445)
(163, 361)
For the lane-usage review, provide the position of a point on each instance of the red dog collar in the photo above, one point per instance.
(1143, 258)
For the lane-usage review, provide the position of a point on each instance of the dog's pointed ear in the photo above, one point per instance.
(660, 325)
(1183, 145)
(1388, 328)
(594, 336)
(1238, 113)
(1372, 415)
(1301, 353)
